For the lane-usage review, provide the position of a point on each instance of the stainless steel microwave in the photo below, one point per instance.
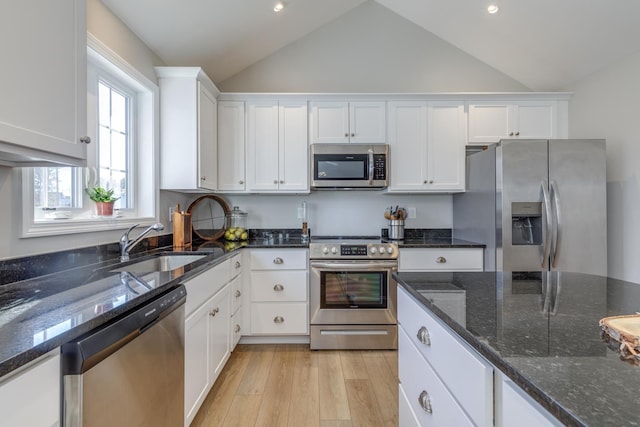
(349, 166)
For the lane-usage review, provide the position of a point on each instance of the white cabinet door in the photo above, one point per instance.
(207, 140)
(197, 361)
(490, 122)
(43, 80)
(231, 148)
(367, 122)
(446, 139)
(277, 147)
(262, 146)
(293, 147)
(427, 146)
(408, 145)
(188, 134)
(517, 409)
(31, 397)
(343, 121)
(219, 330)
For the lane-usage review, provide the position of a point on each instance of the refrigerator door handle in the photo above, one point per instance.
(546, 202)
(557, 225)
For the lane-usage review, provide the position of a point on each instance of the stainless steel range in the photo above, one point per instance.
(352, 296)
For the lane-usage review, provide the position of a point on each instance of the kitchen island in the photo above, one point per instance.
(540, 331)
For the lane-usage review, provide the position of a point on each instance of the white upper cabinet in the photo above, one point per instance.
(342, 121)
(231, 149)
(491, 121)
(43, 82)
(188, 129)
(277, 147)
(427, 146)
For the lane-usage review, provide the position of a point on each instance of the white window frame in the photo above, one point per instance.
(146, 189)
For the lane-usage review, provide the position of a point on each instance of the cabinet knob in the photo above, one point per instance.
(238, 265)
(282, 181)
(352, 135)
(517, 133)
(236, 329)
(275, 181)
(213, 312)
(425, 402)
(203, 178)
(425, 181)
(510, 133)
(238, 294)
(85, 140)
(278, 260)
(346, 135)
(241, 182)
(278, 288)
(441, 260)
(423, 336)
(430, 181)
(278, 319)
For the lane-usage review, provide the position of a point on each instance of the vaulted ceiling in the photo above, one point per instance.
(544, 44)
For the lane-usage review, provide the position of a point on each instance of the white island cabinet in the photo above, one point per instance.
(188, 129)
(30, 396)
(43, 82)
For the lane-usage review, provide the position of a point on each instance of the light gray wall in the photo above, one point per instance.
(605, 105)
(370, 49)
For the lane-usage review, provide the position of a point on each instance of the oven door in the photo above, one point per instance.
(352, 293)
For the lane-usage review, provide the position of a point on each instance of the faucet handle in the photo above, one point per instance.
(125, 236)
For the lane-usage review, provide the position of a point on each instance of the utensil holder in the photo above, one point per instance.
(396, 229)
(181, 229)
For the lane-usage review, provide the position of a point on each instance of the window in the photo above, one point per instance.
(121, 120)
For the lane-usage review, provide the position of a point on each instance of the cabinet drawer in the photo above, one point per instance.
(420, 383)
(440, 259)
(270, 259)
(236, 328)
(203, 286)
(517, 408)
(274, 286)
(467, 375)
(235, 265)
(406, 417)
(279, 318)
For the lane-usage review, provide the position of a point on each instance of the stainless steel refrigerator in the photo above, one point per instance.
(537, 204)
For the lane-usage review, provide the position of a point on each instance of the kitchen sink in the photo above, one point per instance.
(159, 263)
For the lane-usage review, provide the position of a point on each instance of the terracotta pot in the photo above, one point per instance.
(104, 208)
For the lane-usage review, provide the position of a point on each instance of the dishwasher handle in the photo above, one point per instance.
(83, 353)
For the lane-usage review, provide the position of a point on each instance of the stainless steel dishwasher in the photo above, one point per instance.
(131, 371)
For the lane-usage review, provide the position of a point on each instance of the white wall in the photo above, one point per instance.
(370, 49)
(606, 105)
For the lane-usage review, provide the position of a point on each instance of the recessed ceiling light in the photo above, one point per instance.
(493, 8)
(278, 7)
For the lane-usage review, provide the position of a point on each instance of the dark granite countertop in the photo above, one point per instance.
(47, 300)
(542, 331)
(429, 238)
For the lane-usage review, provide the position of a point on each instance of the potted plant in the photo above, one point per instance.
(104, 200)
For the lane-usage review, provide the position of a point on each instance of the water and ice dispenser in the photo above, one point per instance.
(526, 223)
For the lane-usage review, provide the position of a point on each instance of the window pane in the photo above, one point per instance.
(118, 112)
(54, 187)
(104, 147)
(104, 109)
(118, 151)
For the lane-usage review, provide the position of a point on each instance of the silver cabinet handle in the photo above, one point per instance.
(423, 336)
(352, 135)
(275, 181)
(278, 287)
(238, 265)
(425, 182)
(236, 329)
(85, 140)
(517, 133)
(241, 182)
(278, 260)
(346, 135)
(425, 402)
(510, 133)
(203, 178)
(213, 312)
(278, 319)
(238, 294)
(282, 181)
(441, 260)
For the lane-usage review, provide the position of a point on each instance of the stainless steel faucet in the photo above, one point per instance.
(126, 245)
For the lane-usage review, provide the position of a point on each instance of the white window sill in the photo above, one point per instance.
(85, 225)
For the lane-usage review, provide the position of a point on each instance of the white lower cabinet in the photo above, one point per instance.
(440, 259)
(515, 408)
(31, 396)
(279, 292)
(208, 330)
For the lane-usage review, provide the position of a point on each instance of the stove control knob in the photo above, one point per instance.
(382, 251)
(389, 250)
(373, 250)
(334, 250)
(325, 250)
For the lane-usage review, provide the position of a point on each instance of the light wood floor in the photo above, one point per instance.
(292, 386)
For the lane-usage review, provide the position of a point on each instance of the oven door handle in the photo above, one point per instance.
(360, 265)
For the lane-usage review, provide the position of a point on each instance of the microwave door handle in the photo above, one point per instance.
(370, 166)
